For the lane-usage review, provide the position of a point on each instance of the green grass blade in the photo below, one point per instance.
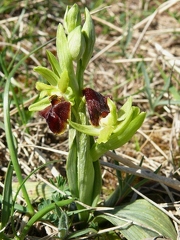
(11, 143)
(7, 197)
(7, 125)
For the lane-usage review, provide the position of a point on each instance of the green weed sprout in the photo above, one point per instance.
(63, 101)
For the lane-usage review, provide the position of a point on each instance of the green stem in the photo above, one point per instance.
(80, 74)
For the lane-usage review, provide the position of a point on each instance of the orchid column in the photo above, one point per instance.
(63, 103)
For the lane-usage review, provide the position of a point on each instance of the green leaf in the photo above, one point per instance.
(97, 183)
(82, 233)
(147, 87)
(54, 63)
(63, 223)
(147, 216)
(36, 189)
(140, 220)
(71, 164)
(49, 75)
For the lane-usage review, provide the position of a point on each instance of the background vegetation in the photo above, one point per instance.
(136, 54)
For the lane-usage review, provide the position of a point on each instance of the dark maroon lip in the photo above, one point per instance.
(57, 114)
(96, 105)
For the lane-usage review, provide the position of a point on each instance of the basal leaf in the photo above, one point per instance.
(140, 220)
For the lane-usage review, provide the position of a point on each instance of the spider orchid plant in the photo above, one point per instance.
(94, 123)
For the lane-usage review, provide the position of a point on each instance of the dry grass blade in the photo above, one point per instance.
(175, 184)
(153, 143)
(163, 7)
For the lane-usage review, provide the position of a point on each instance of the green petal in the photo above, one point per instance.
(40, 105)
(42, 86)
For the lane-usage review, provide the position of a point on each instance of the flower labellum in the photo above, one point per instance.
(96, 104)
(57, 114)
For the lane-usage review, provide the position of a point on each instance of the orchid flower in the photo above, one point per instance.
(107, 124)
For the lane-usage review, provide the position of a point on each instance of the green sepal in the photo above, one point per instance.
(127, 116)
(87, 129)
(40, 104)
(49, 75)
(117, 140)
(104, 134)
(54, 63)
(136, 112)
(120, 138)
(124, 110)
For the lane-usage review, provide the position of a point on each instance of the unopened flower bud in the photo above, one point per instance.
(72, 18)
(89, 35)
(76, 43)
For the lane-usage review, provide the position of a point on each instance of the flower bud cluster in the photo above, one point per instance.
(81, 38)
